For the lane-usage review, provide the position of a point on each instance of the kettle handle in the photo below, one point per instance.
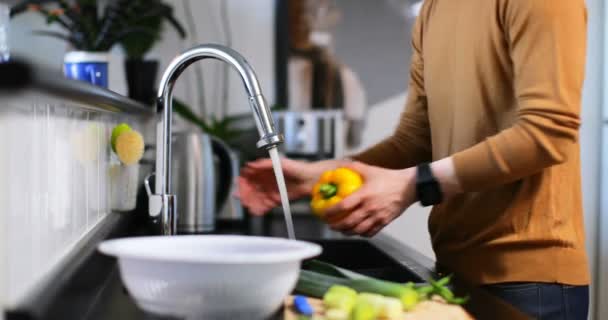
(225, 178)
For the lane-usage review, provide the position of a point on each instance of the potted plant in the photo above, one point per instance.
(90, 34)
(228, 128)
(141, 72)
(223, 129)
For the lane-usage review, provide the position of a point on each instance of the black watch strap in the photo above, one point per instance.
(428, 190)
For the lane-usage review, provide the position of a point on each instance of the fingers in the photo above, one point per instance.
(247, 171)
(373, 231)
(365, 226)
(350, 221)
(257, 210)
(254, 173)
(347, 205)
(260, 206)
(256, 198)
(267, 203)
(245, 187)
(275, 197)
(258, 191)
(367, 219)
(359, 167)
(264, 163)
(360, 223)
(288, 164)
(262, 168)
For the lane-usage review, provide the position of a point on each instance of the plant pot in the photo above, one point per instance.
(141, 80)
(91, 67)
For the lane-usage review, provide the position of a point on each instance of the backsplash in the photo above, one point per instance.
(56, 166)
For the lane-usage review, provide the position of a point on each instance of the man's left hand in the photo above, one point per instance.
(383, 197)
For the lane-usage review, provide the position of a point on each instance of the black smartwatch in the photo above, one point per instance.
(428, 190)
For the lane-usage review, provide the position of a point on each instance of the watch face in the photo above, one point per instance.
(427, 187)
(429, 194)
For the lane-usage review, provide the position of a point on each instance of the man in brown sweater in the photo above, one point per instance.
(489, 136)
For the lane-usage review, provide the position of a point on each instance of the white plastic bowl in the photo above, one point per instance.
(209, 277)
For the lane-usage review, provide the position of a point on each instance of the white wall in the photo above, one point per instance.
(592, 168)
(384, 73)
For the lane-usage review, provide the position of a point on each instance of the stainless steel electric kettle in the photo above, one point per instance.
(202, 183)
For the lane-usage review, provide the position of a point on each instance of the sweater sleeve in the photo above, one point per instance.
(547, 41)
(410, 144)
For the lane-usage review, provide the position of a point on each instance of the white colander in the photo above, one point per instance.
(209, 277)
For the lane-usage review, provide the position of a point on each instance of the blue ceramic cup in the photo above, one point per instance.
(91, 67)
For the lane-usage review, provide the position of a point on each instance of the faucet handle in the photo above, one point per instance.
(155, 203)
(147, 183)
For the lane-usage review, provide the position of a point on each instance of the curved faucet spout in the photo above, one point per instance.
(213, 51)
(161, 203)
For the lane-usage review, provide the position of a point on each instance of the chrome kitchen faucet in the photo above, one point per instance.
(162, 203)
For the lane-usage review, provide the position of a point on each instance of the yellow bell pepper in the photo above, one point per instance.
(332, 187)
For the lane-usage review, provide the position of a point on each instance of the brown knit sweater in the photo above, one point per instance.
(497, 85)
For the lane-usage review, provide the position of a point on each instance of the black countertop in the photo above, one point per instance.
(94, 291)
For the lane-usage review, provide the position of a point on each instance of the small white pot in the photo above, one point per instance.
(124, 184)
(91, 67)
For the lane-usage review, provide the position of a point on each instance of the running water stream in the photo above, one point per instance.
(278, 172)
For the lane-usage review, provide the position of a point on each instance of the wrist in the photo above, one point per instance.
(408, 176)
(445, 173)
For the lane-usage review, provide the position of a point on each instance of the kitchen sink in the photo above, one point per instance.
(363, 257)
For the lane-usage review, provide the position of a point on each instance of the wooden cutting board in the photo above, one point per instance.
(291, 314)
(426, 310)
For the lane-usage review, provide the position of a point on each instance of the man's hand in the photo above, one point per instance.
(258, 189)
(383, 197)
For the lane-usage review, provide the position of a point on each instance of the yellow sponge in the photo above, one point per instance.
(130, 147)
(117, 131)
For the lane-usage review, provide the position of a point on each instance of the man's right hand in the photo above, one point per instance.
(258, 189)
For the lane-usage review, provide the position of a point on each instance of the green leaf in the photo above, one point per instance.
(425, 290)
(148, 14)
(185, 112)
(51, 18)
(278, 107)
(422, 292)
(332, 270)
(220, 128)
(111, 40)
(173, 21)
(444, 281)
(63, 4)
